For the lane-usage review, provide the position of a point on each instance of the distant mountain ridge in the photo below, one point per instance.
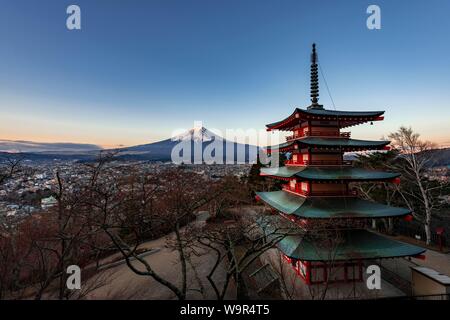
(16, 146)
(200, 138)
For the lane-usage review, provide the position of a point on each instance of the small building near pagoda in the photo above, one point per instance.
(333, 243)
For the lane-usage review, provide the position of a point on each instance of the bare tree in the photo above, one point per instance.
(37, 251)
(289, 281)
(9, 168)
(131, 209)
(415, 158)
(385, 192)
(235, 246)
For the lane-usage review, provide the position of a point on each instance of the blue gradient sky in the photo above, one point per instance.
(140, 69)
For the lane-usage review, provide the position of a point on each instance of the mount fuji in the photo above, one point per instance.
(200, 138)
(196, 134)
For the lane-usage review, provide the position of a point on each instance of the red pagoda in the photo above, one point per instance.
(317, 190)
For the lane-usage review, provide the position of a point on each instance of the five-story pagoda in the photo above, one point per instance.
(317, 192)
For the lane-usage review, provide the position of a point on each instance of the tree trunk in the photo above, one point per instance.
(390, 226)
(427, 211)
(428, 230)
(242, 290)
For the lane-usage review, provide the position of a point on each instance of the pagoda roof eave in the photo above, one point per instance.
(328, 207)
(354, 245)
(329, 173)
(344, 143)
(311, 114)
(341, 142)
(280, 147)
(350, 245)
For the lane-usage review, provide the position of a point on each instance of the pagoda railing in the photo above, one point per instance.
(350, 193)
(319, 134)
(318, 162)
(293, 137)
(326, 134)
(308, 224)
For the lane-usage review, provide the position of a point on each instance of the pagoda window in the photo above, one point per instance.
(319, 123)
(318, 272)
(304, 187)
(324, 131)
(353, 271)
(318, 189)
(292, 184)
(326, 159)
(305, 157)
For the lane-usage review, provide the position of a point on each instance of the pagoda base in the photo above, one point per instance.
(312, 272)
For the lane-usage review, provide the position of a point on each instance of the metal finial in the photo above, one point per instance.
(314, 79)
(314, 54)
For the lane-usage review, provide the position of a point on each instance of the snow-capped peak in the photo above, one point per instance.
(197, 134)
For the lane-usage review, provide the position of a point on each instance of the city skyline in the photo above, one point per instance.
(135, 74)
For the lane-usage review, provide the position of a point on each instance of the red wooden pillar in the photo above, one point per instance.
(325, 272)
(440, 233)
(345, 272)
(360, 269)
(308, 272)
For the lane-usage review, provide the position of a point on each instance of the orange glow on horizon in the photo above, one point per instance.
(123, 143)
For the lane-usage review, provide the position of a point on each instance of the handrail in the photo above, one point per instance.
(319, 162)
(350, 193)
(313, 133)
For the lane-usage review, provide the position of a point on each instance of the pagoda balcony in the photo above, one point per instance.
(318, 163)
(318, 134)
(293, 137)
(349, 193)
(327, 134)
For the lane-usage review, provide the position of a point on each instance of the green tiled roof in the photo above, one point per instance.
(350, 245)
(331, 113)
(280, 146)
(333, 142)
(283, 172)
(341, 142)
(353, 244)
(329, 173)
(328, 207)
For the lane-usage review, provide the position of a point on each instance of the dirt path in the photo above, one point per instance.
(125, 284)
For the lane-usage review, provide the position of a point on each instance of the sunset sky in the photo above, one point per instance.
(138, 70)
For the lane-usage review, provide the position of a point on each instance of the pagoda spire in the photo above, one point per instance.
(314, 80)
